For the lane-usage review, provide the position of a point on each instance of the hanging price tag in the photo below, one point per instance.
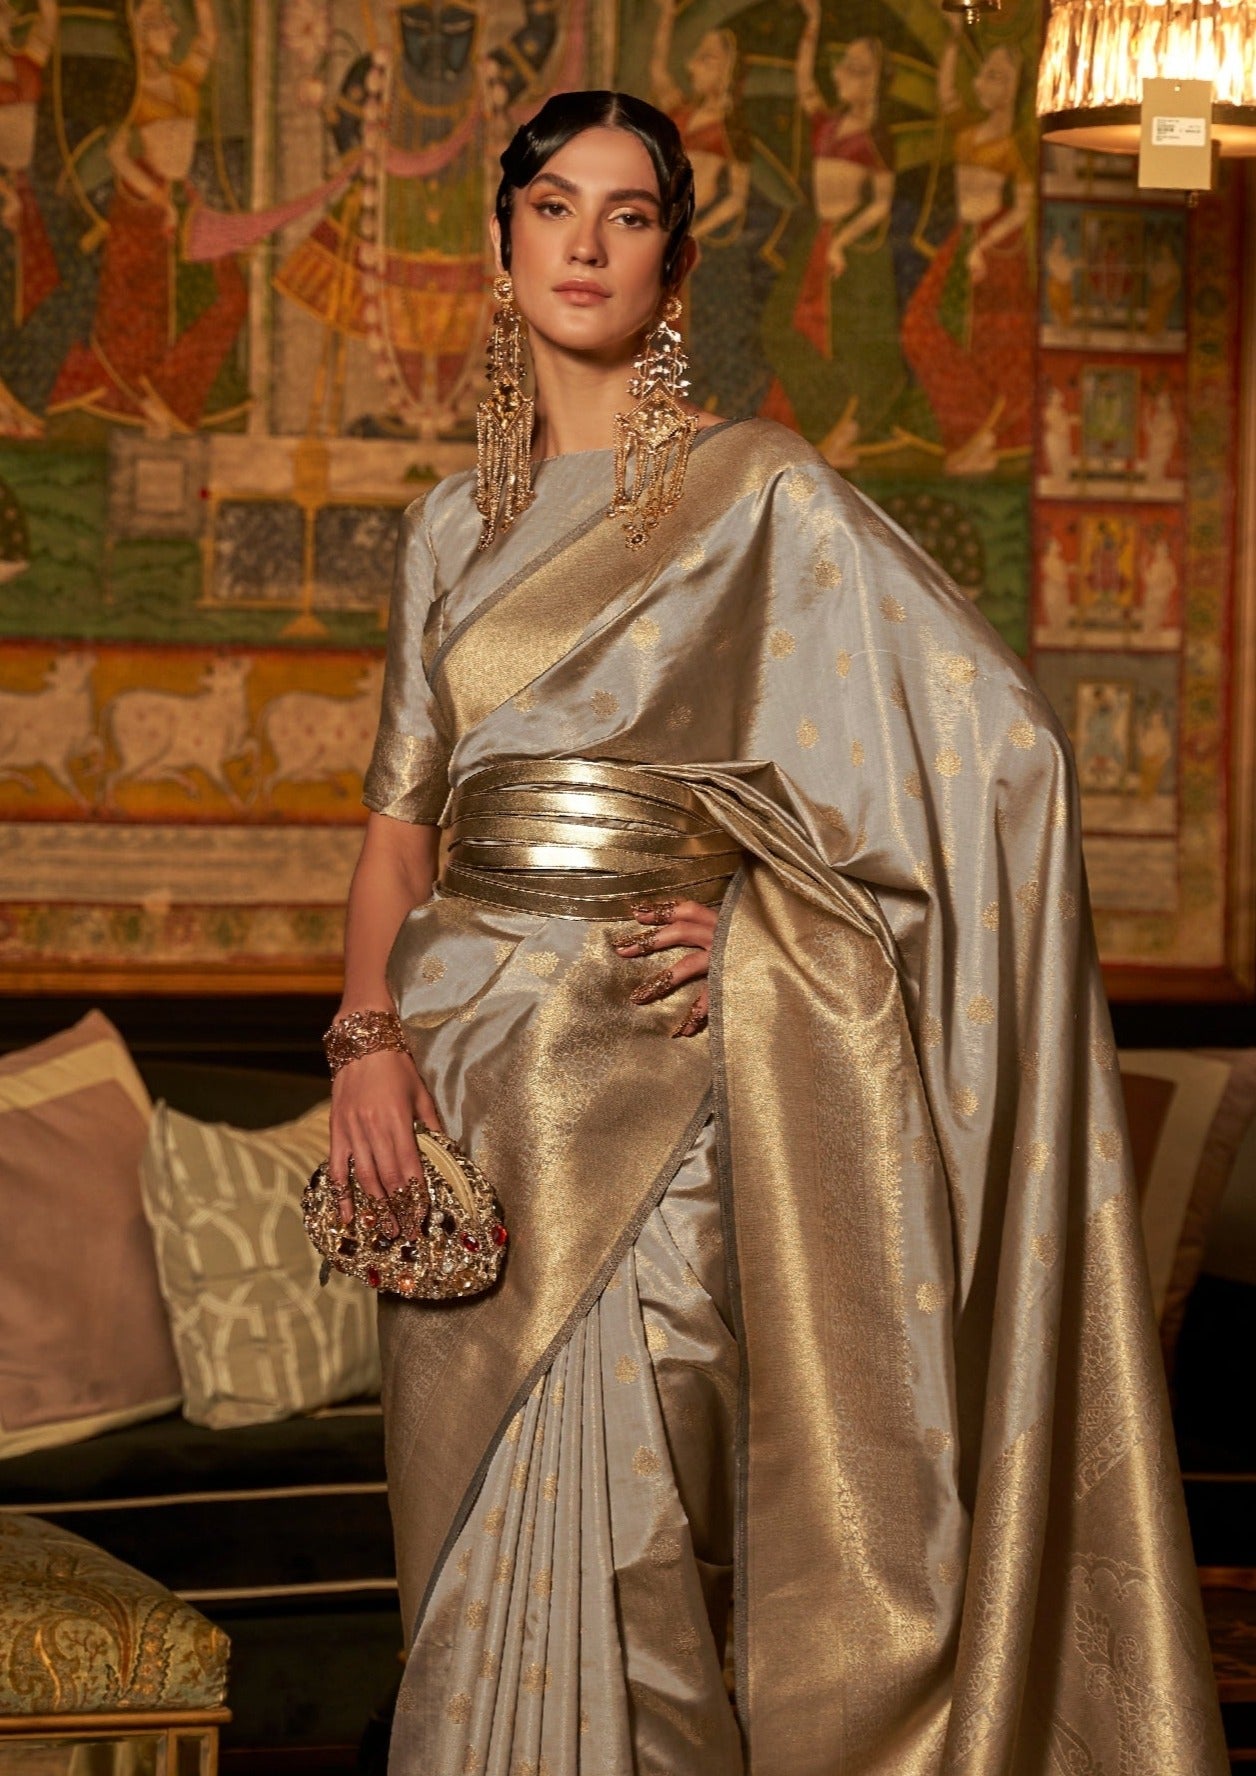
(1175, 149)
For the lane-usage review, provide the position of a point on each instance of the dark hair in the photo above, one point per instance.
(569, 114)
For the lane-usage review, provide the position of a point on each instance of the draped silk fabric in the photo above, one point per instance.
(960, 1544)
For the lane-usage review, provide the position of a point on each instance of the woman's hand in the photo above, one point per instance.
(375, 1103)
(680, 924)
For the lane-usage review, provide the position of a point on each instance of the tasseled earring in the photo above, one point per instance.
(503, 423)
(657, 433)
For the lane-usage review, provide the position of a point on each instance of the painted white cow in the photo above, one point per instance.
(165, 736)
(319, 739)
(51, 726)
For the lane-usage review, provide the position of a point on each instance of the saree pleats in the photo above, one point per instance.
(520, 1026)
(577, 1627)
(958, 1533)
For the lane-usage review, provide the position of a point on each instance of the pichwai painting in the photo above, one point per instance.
(244, 292)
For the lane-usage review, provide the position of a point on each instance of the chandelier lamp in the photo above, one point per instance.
(1173, 83)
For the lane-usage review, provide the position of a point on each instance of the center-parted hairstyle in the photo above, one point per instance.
(567, 115)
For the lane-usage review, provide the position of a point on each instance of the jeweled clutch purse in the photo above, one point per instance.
(455, 1248)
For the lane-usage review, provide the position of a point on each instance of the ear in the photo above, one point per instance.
(495, 235)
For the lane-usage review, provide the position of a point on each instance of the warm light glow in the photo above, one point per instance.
(1098, 53)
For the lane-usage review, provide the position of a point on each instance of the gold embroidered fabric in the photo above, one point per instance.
(960, 1545)
(84, 1634)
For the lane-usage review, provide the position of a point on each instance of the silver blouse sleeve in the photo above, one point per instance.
(407, 777)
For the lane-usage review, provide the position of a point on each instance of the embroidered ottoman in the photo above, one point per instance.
(100, 1667)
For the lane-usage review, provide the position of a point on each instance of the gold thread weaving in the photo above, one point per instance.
(519, 637)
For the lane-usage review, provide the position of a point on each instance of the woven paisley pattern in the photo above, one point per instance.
(85, 1634)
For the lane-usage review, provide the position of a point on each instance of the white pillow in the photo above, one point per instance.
(255, 1336)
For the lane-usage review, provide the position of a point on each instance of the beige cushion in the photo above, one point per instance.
(84, 1342)
(84, 1634)
(1189, 1111)
(256, 1337)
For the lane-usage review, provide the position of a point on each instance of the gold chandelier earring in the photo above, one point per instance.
(657, 433)
(503, 423)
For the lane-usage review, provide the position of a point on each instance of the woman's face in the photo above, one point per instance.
(157, 30)
(587, 244)
(855, 73)
(710, 67)
(995, 81)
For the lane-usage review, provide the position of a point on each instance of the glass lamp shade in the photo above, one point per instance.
(1097, 53)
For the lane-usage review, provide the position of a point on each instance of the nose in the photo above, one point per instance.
(586, 245)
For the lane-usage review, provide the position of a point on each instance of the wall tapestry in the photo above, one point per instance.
(244, 305)
(1134, 561)
(245, 293)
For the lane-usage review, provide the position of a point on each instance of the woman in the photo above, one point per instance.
(726, 289)
(139, 366)
(832, 321)
(968, 331)
(838, 1302)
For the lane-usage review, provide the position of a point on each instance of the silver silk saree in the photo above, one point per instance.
(843, 1306)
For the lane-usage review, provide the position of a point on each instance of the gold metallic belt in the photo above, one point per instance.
(583, 839)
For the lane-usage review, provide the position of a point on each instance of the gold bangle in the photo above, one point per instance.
(360, 1033)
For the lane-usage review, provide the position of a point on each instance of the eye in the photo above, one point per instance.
(632, 218)
(550, 206)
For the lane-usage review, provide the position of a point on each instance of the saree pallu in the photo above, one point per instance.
(957, 1533)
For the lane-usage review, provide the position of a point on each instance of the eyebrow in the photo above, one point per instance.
(625, 193)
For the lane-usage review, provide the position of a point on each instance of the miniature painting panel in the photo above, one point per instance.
(1112, 428)
(1114, 277)
(1121, 713)
(1109, 577)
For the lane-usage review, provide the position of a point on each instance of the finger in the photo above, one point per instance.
(425, 1106)
(688, 968)
(338, 1168)
(416, 1197)
(407, 1202)
(697, 1017)
(655, 913)
(686, 913)
(412, 1202)
(664, 911)
(364, 1145)
(339, 1181)
(695, 932)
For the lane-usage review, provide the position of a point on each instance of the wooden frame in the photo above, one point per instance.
(181, 1730)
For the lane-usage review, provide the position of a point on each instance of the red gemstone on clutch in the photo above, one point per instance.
(472, 1245)
(372, 1277)
(499, 1234)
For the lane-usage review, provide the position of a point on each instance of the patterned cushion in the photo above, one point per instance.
(84, 1343)
(256, 1337)
(1189, 1112)
(84, 1634)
